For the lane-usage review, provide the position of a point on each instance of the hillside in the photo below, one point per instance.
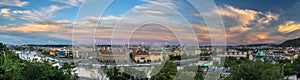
(291, 43)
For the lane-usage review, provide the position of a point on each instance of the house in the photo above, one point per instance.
(53, 52)
(156, 57)
(141, 56)
(108, 56)
(291, 55)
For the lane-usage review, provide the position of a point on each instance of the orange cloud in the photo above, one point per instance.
(238, 29)
(29, 28)
(288, 27)
(262, 36)
(242, 17)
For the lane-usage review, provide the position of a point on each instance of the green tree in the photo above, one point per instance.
(14, 68)
(231, 61)
(185, 75)
(115, 74)
(199, 74)
(292, 68)
(255, 71)
(134, 73)
(168, 72)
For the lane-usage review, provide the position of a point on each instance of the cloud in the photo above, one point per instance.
(166, 3)
(268, 17)
(41, 27)
(242, 20)
(246, 26)
(35, 15)
(242, 17)
(238, 29)
(17, 3)
(5, 12)
(151, 10)
(21, 12)
(105, 18)
(243, 26)
(30, 28)
(48, 12)
(17, 14)
(154, 12)
(246, 17)
(60, 29)
(53, 30)
(70, 2)
(288, 27)
(63, 29)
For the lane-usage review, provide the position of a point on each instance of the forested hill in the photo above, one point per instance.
(291, 43)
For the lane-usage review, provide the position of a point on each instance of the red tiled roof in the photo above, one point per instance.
(140, 53)
(114, 52)
(53, 51)
(106, 52)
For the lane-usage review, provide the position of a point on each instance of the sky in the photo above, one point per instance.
(145, 21)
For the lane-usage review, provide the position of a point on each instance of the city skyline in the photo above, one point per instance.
(51, 21)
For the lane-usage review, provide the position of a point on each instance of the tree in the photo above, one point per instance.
(185, 75)
(292, 68)
(199, 74)
(168, 72)
(135, 73)
(14, 68)
(114, 74)
(231, 61)
(255, 71)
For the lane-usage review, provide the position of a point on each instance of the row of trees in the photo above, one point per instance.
(167, 72)
(14, 68)
(255, 71)
(247, 70)
(182, 57)
(292, 68)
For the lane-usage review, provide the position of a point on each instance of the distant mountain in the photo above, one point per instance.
(253, 45)
(291, 43)
(47, 45)
(258, 45)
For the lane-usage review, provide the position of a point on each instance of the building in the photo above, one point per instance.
(141, 56)
(85, 53)
(53, 52)
(61, 53)
(109, 56)
(260, 55)
(156, 57)
(291, 55)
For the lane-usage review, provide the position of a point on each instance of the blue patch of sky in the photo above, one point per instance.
(120, 7)
(275, 6)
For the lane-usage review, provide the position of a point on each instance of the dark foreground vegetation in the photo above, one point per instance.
(245, 69)
(14, 68)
